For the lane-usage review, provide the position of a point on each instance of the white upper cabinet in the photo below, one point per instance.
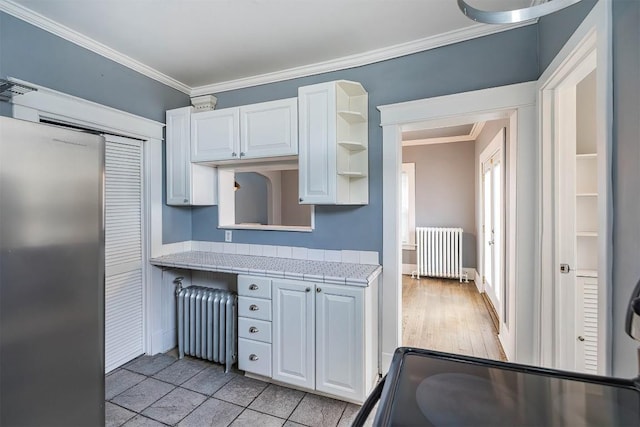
(214, 135)
(256, 131)
(334, 139)
(269, 129)
(187, 183)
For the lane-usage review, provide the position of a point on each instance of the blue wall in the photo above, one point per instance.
(495, 60)
(554, 30)
(626, 177)
(34, 55)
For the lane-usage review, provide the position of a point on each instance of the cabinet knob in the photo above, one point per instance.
(253, 287)
(186, 200)
(242, 154)
(300, 199)
(308, 290)
(253, 330)
(253, 357)
(234, 154)
(318, 290)
(580, 338)
(254, 307)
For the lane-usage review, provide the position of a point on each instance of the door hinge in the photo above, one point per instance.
(483, 281)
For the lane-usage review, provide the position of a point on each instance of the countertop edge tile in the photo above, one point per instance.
(318, 271)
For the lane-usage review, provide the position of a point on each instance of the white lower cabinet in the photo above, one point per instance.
(320, 337)
(340, 340)
(293, 333)
(254, 325)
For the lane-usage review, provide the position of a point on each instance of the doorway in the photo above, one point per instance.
(445, 301)
(516, 104)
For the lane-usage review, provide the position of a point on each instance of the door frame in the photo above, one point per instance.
(486, 154)
(588, 48)
(49, 104)
(517, 103)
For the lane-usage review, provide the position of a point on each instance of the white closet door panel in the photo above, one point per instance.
(587, 324)
(123, 318)
(123, 251)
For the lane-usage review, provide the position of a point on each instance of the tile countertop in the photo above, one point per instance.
(317, 271)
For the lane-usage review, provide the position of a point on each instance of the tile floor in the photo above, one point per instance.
(161, 390)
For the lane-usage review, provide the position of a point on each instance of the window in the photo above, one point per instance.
(408, 208)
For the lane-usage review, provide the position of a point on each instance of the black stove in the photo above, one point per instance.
(429, 388)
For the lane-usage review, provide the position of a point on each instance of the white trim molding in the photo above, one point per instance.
(351, 61)
(56, 106)
(517, 103)
(360, 59)
(588, 48)
(53, 27)
(473, 133)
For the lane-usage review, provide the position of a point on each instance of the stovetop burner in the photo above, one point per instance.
(426, 388)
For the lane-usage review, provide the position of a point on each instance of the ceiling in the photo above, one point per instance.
(204, 46)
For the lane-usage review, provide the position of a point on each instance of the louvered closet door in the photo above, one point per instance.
(123, 251)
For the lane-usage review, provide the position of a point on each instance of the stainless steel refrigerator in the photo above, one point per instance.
(51, 276)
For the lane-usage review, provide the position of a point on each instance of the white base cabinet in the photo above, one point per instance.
(321, 337)
(294, 333)
(340, 341)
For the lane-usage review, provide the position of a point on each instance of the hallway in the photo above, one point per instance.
(445, 315)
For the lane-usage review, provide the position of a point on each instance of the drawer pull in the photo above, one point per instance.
(253, 357)
(254, 307)
(253, 330)
(253, 287)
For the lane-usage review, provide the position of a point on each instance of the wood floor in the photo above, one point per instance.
(445, 315)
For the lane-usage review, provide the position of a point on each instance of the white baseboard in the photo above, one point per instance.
(409, 268)
(478, 281)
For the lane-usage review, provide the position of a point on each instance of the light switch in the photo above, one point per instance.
(227, 236)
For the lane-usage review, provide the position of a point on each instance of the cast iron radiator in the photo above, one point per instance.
(207, 325)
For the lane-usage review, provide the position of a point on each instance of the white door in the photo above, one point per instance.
(340, 341)
(293, 333)
(269, 129)
(492, 205)
(123, 251)
(215, 135)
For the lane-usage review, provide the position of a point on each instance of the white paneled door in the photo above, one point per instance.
(123, 251)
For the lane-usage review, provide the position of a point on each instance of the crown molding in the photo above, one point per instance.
(351, 61)
(471, 136)
(81, 40)
(357, 60)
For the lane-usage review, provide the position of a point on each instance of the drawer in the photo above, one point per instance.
(254, 308)
(254, 356)
(253, 329)
(257, 287)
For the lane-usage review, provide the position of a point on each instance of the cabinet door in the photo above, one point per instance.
(293, 333)
(340, 360)
(317, 145)
(269, 129)
(178, 158)
(215, 135)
